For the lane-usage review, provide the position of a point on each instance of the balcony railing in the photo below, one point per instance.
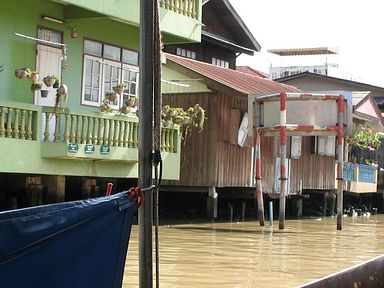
(67, 126)
(18, 121)
(184, 7)
(360, 173)
(29, 122)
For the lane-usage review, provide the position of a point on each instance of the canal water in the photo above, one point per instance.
(243, 254)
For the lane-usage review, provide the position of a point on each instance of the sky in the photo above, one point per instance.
(354, 27)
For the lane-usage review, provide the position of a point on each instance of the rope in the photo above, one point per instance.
(157, 127)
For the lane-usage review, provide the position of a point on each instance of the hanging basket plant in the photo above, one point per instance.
(49, 80)
(22, 73)
(34, 76)
(192, 118)
(119, 88)
(61, 97)
(36, 86)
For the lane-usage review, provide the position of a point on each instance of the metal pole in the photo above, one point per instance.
(259, 189)
(340, 162)
(283, 148)
(145, 141)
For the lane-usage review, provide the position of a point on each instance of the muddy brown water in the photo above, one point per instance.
(247, 255)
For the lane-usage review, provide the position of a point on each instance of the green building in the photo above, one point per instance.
(66, 143)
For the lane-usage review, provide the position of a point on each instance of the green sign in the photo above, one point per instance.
(104, 150)
(89, 148)
(73, 148)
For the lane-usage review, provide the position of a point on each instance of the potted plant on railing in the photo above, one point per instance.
(104, 107)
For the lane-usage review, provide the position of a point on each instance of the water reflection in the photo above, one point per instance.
(247, 255)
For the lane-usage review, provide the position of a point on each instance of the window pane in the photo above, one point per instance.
(92, 47)
(112, 52)
(95, 82)
(131, 57)
(132, 76)
(132, 90)
(96, 67)
(87, 80)
(87, 94)
(49, 35)
(95, 95)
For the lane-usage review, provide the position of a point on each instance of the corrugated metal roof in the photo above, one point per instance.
(239, 81)
(304, 51)
(250, 70)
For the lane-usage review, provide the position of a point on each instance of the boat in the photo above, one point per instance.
(73, 244)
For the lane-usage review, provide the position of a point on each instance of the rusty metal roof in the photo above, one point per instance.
(250, 70)
(239, 81)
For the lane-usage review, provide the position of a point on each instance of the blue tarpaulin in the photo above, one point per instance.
(73, 244)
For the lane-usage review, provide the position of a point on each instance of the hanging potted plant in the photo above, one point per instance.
(119, 88)
(36, 86)
(22, 73)
(111, 96)
(34, 76)
(49, 80)
(57, 82)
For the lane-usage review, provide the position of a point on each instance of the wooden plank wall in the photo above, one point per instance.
(208, 159)
(317, 172)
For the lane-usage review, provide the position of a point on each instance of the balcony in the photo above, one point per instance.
(360, 178)
(75, 136)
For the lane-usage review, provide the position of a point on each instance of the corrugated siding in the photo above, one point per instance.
(207, 159)
(316, 171)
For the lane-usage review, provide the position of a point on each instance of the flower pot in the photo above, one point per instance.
(118, 89)
(21, 73)
(112, 97)
(131, 102)
(34, 77)
(44, 93)
(49, 81)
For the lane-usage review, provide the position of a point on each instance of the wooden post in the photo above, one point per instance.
(340, 162)
(283, 148)
(146, 89)
(259, 189)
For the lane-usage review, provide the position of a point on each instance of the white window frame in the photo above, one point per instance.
(101, 93)
(116, 65)
(87, 102)
(126, 68)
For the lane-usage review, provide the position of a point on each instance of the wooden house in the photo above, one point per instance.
(217, 159)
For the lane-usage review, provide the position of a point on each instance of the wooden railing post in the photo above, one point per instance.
(56, 135)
